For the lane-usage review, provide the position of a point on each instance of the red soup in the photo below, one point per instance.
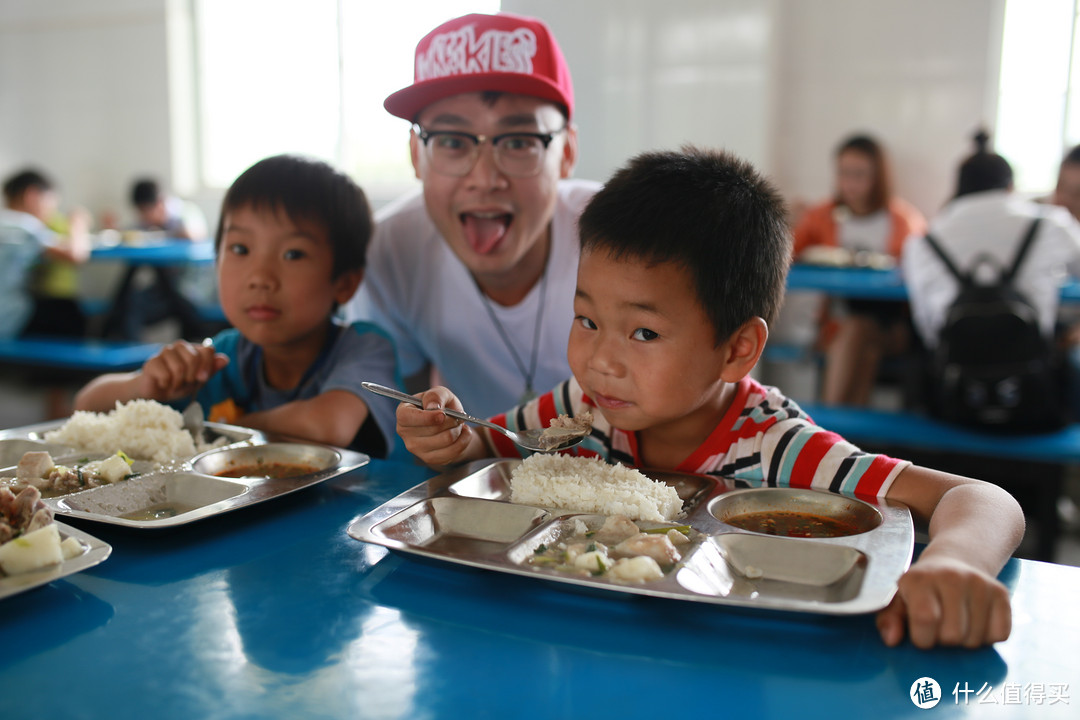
(793, 524)
(267, 470)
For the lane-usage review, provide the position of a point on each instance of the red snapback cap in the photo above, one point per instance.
(476, 53)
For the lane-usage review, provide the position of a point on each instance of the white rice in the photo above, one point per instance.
(591, 485)
(144, 429)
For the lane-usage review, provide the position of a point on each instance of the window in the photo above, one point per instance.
(310, 78)
(1038, 116)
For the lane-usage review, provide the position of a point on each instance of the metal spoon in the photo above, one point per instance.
(193, 417)
(193, 413)
(528, 439)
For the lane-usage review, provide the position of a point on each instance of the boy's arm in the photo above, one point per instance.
(333, 417)
(950, 595)
(436, 439)
(103, 392)
(177, 370)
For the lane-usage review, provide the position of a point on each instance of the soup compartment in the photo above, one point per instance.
(273, 460)
(835, 515)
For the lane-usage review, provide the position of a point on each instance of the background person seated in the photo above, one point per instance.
(26, 241)
(986, 218)
(863, 216)
(155, 293)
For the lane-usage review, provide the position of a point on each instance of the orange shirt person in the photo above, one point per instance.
(863, 216)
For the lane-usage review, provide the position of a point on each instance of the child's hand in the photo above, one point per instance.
(429, 434)
(944, 601)
(178, 370)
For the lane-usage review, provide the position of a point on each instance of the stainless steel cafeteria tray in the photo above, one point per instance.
(465, 517)
(190, 489)
(94, 551)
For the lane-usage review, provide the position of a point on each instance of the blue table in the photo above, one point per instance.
(274, 612)
(163, 257)
(159, 253)
(872, 284)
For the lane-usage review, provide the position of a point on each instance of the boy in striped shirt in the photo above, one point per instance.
(683, 262)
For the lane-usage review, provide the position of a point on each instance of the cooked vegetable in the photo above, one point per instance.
(37, 549)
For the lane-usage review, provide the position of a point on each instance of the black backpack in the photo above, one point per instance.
(993, 367)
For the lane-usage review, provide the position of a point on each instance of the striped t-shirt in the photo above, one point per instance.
(763, 439)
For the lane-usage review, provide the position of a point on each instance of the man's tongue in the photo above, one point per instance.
(484, 233)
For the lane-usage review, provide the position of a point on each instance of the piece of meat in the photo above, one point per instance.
(42, 516)
(35, 464)
(615, 529)
(7, 503)
(27, 502)
(658, 547)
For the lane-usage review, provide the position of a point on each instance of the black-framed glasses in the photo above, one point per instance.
(517, 154)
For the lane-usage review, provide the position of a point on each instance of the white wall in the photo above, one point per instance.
(83, 95)
(84, 91)
(782, 81)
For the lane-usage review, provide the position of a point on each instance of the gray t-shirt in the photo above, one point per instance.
(360, 352)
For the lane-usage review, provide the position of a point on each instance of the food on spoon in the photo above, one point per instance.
(563, 428)
(592, 485)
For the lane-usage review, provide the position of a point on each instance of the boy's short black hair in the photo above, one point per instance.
(711, 213)
(16, 185)
(145, 191)
(309, 190)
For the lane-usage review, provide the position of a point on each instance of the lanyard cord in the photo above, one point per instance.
(531, 372)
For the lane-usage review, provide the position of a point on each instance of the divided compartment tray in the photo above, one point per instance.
(465, 517)
(188, 490)
(94, 553)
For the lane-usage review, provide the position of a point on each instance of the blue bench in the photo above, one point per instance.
(207, 313)
(985, 455)
(908, 429)
(87, 355)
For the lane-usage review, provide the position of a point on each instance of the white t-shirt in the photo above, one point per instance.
(994, 223)
(422, 294)
(864, 232)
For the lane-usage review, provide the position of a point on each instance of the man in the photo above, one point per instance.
(474, 276)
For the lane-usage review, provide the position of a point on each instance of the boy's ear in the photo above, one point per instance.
(346, 284)
(743, 349)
